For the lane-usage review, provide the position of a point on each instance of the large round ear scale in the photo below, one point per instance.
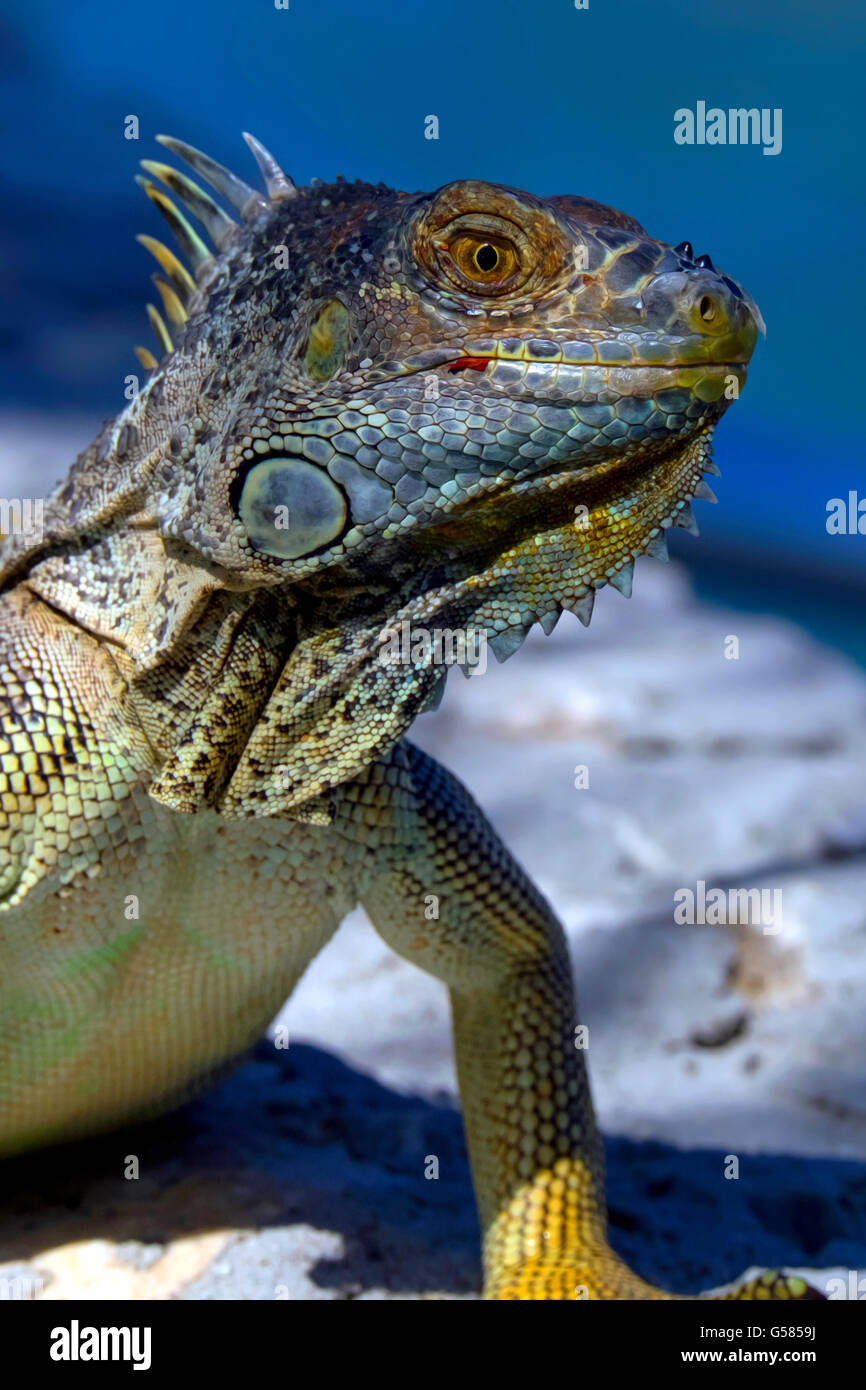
(290, 508)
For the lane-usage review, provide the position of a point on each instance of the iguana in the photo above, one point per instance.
(464, 411)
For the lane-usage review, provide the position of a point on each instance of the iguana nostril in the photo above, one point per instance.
(686, 249)
(707, 308)
(704, 263)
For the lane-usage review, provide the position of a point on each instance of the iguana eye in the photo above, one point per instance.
(486, 257)
(485, 260)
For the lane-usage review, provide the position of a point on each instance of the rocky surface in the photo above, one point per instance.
(302, 1175)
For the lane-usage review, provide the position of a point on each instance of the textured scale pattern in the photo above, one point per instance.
(461, 410)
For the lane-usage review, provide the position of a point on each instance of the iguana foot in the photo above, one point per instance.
(599, 1275)
(772, 1284)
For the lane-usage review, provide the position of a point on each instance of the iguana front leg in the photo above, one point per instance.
(534, 1146)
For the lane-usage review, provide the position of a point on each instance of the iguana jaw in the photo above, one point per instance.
(543, 544)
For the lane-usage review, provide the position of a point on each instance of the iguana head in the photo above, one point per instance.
(464, 409)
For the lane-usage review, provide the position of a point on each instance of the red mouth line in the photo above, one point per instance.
(479, 364)
(475, 364)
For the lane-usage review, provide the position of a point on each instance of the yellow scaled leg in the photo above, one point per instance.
(445, 893)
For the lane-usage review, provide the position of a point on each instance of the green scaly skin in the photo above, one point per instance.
(462, 410)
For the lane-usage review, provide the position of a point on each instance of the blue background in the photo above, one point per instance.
(529, 92)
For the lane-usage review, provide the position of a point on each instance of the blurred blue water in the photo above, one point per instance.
(533, 93)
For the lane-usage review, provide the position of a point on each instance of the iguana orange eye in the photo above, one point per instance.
(484, 260)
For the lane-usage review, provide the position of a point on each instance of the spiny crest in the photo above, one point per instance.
(179, 288)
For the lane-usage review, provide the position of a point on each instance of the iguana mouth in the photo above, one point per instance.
(573, 383)
(660, 357)
(480, 364)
